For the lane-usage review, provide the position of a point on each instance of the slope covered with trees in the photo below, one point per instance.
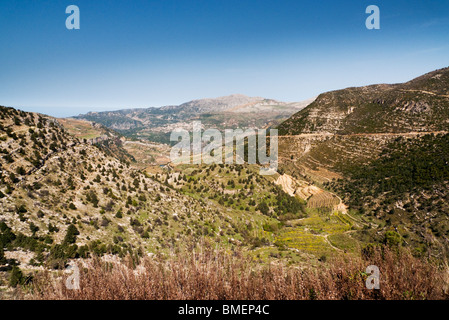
(407, 186)
(61, 198)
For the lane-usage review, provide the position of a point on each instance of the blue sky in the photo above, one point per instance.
(135, 53)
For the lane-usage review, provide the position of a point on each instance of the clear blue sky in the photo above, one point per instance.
(135, 53)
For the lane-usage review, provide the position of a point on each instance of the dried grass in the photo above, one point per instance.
(216, 274)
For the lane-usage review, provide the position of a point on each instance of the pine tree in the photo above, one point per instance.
(2, 255)
(71, 234)
(16, 277)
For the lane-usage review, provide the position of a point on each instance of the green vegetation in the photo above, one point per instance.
(408, 181)
(404, 166)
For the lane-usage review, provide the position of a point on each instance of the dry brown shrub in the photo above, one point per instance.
(217, 274)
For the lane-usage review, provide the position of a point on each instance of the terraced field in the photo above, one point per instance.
(344, 241)
(322, 156)
(336, 153)
(323, 200)
(298, 239)
(81, 129)
(319, 234)
(324, 159)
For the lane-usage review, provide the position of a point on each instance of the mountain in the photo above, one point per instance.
(219, 104)
(234, 111)
(420, 105)
(353, 125)
(237, 103)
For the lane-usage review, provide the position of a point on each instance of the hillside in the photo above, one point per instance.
(62, 198)
(418, 105)
(407, 187)
(383, 149)
(353, 126)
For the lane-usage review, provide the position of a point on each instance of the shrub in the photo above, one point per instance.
(20, 170)
(392, 238)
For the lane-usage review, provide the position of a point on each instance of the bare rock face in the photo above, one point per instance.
(415, 107)
(219, 104)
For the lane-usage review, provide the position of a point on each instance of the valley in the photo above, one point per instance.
(360, 169)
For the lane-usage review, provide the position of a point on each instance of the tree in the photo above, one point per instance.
(20, 170)
(263, 207)
(6, 234)
(21, 209)
(2, 255)
(33, 228)
(16, 277)
(71, 234)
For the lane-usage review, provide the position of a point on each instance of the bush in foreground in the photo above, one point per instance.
(213, 274)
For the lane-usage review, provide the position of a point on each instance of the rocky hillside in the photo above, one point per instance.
(416, 106)
(353, 126)
(62, 197)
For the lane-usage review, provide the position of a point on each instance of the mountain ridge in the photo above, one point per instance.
(234, 111)
(420, 104)
(218, 104)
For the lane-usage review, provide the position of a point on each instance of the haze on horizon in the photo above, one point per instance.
(156, 53)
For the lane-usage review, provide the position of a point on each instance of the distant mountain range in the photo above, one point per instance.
(234, 111)
(237, 103)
